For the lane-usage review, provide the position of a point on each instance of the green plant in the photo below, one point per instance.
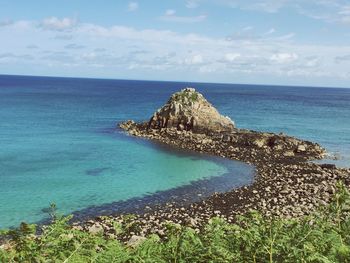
(190, 96)
(194, 97)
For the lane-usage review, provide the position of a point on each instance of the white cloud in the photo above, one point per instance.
(345, 10)
(270, 6)
(6, 22)
(170, 12)
(342, 58)
(54, 23)
(74, 46)
(344, 14)
(133, 6)
(194, 60)
(89, 56)
(172, 53)
(31, 46)
(247, 28)
(206, 69)
(64, 37)
(192, 3)
(270, 31)
(286, 37)
(16, 57)
(230, 57)
(170, 16)
(330, 11)
(284, 57)
(249, 33)
(313, 61)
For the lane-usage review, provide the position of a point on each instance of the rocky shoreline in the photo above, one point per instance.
(287, 183)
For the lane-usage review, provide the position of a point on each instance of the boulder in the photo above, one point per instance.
(135, 241)
(288, 154)
(301, 148)
(189, 110)
(259, 142)
(95, 229)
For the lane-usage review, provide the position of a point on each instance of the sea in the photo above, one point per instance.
(59, 142)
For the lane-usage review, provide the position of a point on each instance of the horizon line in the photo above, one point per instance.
(176, 81)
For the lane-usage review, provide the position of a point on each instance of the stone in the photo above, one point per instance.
(135, 241)
(189, 110)
(328, 166)
(301, 148)
(181, 127)
(288, 154)
(77, 227)
(5, 246)
(226, 138)
(192, 222)
(259, 143)
(95, 229)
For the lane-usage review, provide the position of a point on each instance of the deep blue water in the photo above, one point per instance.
(58, 141)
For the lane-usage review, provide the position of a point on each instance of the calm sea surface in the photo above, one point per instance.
(58, 141)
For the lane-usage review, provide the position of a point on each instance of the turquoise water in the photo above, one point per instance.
(59, 143)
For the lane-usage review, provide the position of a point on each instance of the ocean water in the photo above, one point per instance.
(59, 142)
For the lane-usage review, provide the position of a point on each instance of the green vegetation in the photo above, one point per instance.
(191, 96)
(321, 237)
(194, 96)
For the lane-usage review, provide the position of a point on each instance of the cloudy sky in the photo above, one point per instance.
(291, 42)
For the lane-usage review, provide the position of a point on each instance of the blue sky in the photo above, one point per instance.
(299, 42)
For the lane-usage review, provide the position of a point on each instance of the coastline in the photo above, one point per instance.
(287, 184)
(284, 186)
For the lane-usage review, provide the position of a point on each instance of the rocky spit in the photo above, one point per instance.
(287, 183)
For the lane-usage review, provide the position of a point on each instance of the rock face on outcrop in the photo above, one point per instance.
(189, 110)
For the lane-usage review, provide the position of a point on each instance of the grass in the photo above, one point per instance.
(321, 237)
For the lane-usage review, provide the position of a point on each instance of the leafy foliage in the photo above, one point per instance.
(186, 96)
(321, 237)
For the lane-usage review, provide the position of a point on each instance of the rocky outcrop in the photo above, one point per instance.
(286, 183)
(239, 144)
(189, 110)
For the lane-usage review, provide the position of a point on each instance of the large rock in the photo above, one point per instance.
(135, 241)
(95, 229)
(189, 110)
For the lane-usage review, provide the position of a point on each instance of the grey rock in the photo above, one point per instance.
(288, 154)
(135, 241)
(189, 110)
(95, 229)
(301, 148)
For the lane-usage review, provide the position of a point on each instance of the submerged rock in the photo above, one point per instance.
(189, 110)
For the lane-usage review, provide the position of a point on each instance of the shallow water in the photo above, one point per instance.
(59, 143)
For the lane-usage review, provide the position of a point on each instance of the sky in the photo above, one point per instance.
(280, 42)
